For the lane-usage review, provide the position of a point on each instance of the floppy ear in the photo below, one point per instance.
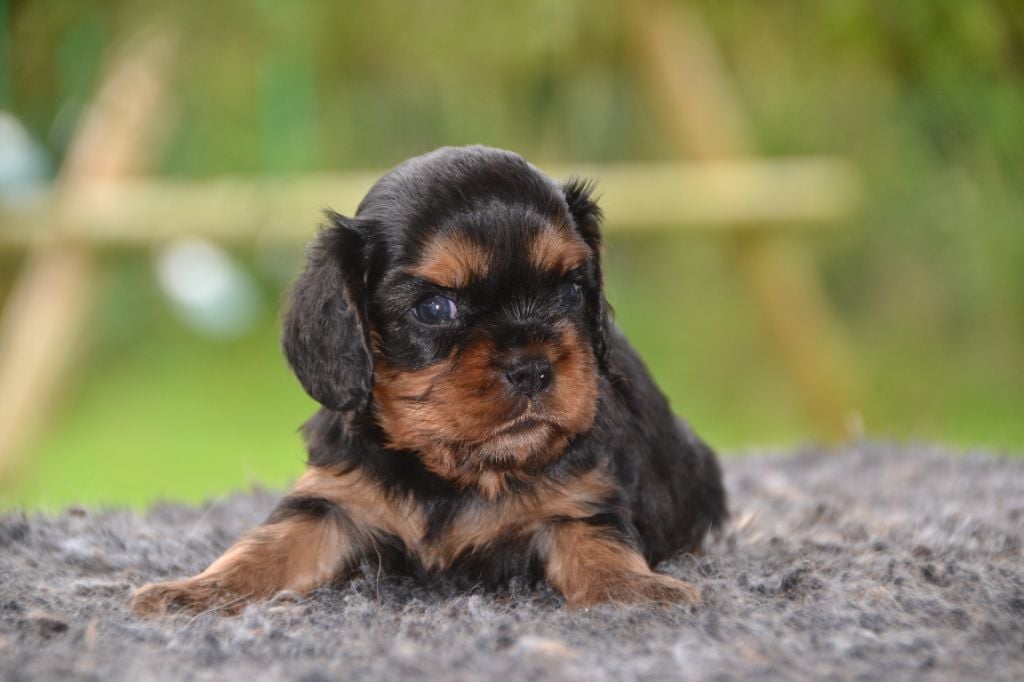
(325, 335)
(587, 216)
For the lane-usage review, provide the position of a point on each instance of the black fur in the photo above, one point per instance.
(669, 485)
(325, 332)
(587, 217)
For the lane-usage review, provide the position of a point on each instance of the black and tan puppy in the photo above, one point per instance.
(482, 417)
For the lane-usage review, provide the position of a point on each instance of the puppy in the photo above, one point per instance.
(482, 417)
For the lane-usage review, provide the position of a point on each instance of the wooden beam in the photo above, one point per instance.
(722, 195)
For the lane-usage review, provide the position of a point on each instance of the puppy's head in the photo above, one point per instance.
(462, 309)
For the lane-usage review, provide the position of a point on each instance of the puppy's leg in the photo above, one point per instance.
(589, 565)
(318, 531)
(294, 550)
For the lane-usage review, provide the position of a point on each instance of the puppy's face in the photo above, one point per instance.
(462, 309)
(481, 344)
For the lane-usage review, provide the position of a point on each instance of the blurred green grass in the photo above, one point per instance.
(156, 411)
(927, 98)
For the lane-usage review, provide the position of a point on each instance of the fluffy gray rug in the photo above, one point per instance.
(878, 561)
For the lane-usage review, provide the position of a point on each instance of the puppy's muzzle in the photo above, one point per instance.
(528, 375)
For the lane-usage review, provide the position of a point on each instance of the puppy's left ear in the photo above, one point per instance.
(325, 334)
(587, 216)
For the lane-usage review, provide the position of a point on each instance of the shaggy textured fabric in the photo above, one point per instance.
(874, 562)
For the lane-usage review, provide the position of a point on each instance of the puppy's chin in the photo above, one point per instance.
(491, 465)
(524, 447)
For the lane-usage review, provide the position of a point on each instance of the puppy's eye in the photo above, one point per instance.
(570, 294)
(436, 309)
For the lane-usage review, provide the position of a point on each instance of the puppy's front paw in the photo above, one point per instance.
(636, 589)
(195, 595)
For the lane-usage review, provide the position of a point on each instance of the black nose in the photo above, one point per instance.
(529, 376)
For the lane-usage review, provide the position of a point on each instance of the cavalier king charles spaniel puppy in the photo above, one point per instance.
(481, 415)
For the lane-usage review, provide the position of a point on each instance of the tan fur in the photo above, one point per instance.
(520, 515)
(475, 527)
(556, 249)
(364, 502)
(294, 555)
(450, 260)
(589, 568)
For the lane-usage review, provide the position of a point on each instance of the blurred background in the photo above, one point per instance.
(151, 154)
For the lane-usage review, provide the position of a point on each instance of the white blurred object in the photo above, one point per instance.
(210, 291)
(24, 167)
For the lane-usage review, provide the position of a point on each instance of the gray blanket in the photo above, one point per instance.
(879, 562)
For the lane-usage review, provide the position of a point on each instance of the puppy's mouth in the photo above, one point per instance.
(521, 425)
(530, 416)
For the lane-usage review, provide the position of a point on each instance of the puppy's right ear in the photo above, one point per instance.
(325, 334)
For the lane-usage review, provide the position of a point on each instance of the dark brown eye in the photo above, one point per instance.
(436, 309)
(570, 294)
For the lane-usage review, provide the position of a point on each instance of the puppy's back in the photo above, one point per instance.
(670, 476)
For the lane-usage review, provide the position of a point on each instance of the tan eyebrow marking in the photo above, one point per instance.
(557, 250)
(452, 261)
